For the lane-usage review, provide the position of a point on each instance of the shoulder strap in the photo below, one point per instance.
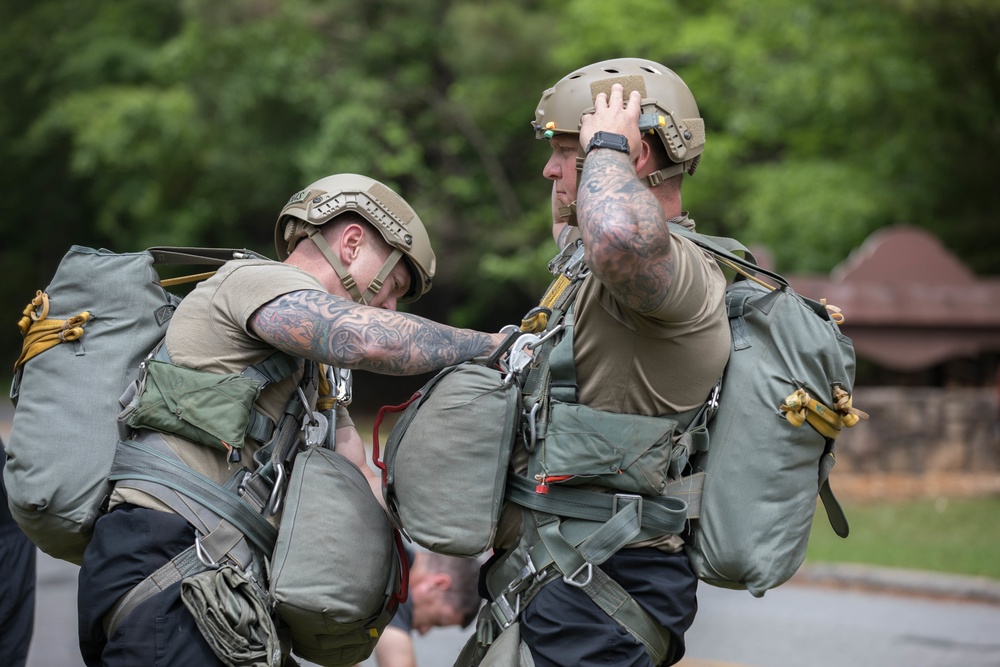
(728, 252)
(165, 255)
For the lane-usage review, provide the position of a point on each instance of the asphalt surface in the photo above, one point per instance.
(54, 639)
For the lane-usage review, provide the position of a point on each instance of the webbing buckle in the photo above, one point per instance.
(576, 267)
(203, 556)
(573, 580)
(637, 499)
(503, 613)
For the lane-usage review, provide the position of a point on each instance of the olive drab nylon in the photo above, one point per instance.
(785, 397)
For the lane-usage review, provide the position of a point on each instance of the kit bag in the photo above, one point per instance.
(446, 458)
(84, 338)
(785, 396)
(337, 575)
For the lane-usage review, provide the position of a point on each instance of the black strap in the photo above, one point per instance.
(715, 245)
(199, 256)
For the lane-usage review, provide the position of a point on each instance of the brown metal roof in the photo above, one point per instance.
(908, 302)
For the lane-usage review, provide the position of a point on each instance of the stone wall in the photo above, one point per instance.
(917, 430)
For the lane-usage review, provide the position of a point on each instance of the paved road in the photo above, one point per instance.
(794, 626)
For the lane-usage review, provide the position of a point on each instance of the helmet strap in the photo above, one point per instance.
(376, 284)
(346, 279)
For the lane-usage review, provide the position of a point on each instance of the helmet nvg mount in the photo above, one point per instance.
(668, 109)
(383, 209)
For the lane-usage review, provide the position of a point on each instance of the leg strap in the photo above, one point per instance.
(203, 555)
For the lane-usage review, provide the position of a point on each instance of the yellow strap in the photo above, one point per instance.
(326, 400)
(180, 280)
(540, 319)
(800, 408)
(42, 333)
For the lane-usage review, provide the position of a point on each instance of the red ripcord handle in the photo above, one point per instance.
(403, 593)
(376, 454)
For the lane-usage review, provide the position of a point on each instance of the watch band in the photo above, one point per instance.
(611, 140)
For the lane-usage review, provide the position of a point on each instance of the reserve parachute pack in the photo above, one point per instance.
(738, 477)
(93, 391)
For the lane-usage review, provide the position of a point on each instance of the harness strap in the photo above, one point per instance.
(557, 551)
(622, 607)
(664, 514)
(199, 557)
(134, 460)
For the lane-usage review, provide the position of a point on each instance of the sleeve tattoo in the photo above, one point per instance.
(625, 231)
(332, 330)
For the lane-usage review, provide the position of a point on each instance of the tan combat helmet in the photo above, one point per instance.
(385, 210)
(668, 109)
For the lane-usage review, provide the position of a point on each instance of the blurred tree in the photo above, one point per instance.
(827, 120)
(140, 122)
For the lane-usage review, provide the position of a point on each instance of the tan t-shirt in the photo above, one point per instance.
(210, 332)
(662, 362)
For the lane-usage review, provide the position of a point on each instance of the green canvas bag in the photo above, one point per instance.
(337, 573)
(85, 336)
(447, 456)
(212, 409)
(767, 459)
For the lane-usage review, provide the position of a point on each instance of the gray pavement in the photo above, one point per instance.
(825, 611)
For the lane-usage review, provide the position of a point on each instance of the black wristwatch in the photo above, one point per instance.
(611, 140)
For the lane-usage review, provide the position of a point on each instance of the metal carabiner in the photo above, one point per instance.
(531, 345)
(277, 492)
(530, 419)
(519, 356)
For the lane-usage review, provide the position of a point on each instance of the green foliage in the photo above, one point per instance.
(140, 122)
(956, 535)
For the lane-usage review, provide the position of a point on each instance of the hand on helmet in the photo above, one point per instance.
(613, 114)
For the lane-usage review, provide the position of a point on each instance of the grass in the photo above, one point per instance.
(954, 535)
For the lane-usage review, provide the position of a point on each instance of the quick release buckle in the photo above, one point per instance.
(503, 613)
(569, 262)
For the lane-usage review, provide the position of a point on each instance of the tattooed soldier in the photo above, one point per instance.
(350, 250)
(651, 335)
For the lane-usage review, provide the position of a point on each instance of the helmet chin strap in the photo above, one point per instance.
(567, 214)
(346, 279)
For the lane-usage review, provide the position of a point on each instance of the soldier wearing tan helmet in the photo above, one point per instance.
(382, 209)
(350, 250)
(650, 338)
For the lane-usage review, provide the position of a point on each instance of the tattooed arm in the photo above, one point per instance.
(622, 222)
(319, 326)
